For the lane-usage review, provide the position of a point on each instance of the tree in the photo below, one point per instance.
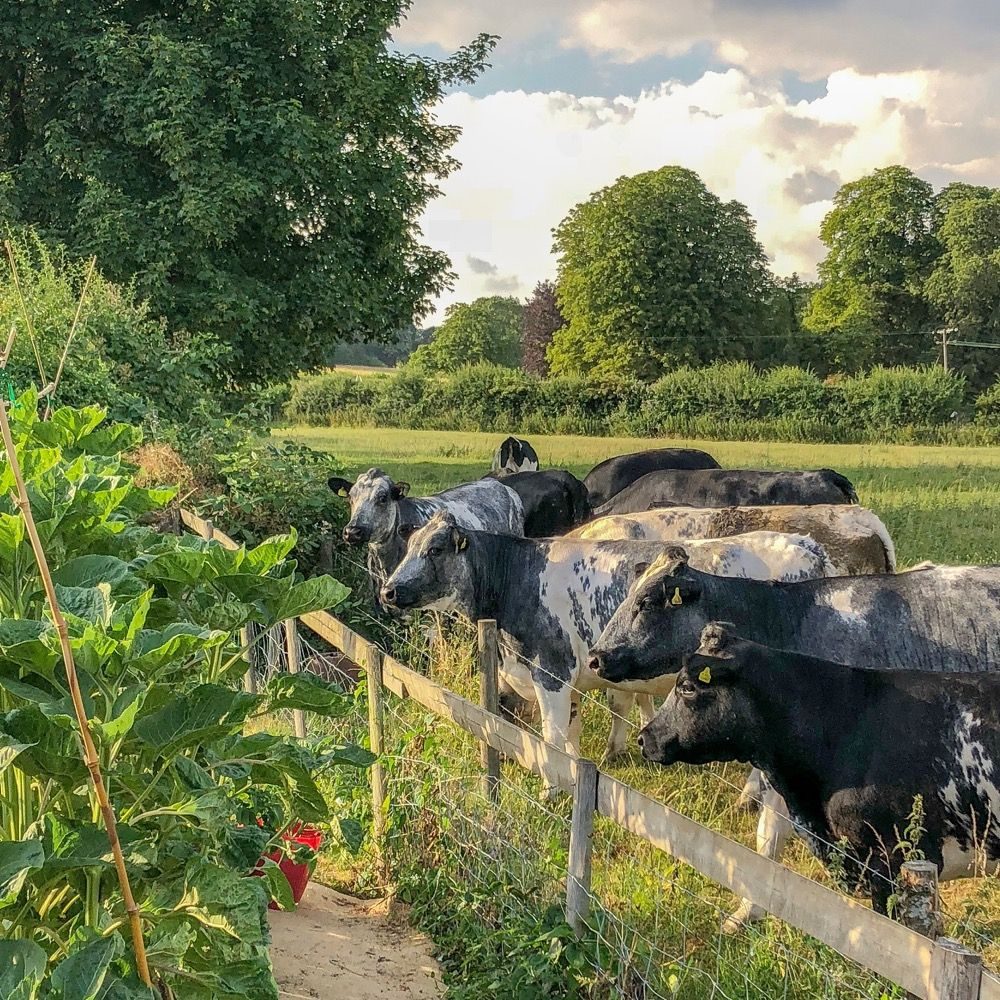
(259, 166)
(655, 271)
(964, 288)
(485, 330)
(880, 249)
(540, 320)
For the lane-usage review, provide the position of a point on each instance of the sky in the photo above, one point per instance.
(775, 103)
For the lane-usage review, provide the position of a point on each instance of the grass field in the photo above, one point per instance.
(939, 504)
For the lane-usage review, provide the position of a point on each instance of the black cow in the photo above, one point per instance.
(554, 500)
(849, 749)
(944, 618)
(730, 488)
(514, 455)
(614, 474)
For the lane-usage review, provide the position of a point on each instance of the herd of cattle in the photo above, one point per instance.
(765, 607)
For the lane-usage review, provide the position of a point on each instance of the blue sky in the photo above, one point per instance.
(774, 102)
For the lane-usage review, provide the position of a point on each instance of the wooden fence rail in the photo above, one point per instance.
(925, 968)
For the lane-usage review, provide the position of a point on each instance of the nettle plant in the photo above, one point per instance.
(200, 789)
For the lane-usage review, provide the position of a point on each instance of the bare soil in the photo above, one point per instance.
(335, 947)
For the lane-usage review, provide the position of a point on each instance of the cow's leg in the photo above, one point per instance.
(575, 727)
(621, 706)
(773, 831)
(647, 708)
(753, 792)
(555, 708)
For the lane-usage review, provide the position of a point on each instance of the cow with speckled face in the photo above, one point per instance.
(848, 748)
(383, 516)
(552, 597)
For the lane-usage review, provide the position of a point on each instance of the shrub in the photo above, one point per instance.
(317, 399)
(988, 405)
(887, 398)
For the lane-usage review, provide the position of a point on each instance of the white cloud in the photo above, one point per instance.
(528, 158)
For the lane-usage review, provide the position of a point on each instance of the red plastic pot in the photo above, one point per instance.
(297, 873)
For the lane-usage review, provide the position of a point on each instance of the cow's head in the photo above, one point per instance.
(435, 572)
(710, 715)
(374, 506)
(656, 625)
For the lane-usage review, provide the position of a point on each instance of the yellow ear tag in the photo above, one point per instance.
(676, 599)
(705, 676)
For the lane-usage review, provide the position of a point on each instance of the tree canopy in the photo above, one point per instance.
(541, 318)
(656, 271)
(258, 166)
(486, 330)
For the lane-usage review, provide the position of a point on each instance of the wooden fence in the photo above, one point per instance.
(929, 969)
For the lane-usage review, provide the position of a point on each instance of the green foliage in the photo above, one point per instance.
(121, 357)
(988, 405)
(385, 355)
(260, 169)
(880, 249)
(485, 331)
(656, 271)
(154, 621)
(730, 401)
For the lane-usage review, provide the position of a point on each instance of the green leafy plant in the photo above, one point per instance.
(200, 790)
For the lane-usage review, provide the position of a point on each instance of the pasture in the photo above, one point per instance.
(939, 504)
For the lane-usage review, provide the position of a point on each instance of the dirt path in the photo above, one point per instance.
(334, 947)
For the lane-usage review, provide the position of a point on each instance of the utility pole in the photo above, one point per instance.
(944, 350)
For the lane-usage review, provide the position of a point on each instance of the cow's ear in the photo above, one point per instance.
(677, 593)
(339, 486)
(399, 490)
(459, 540)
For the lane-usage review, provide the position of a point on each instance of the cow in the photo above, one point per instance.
(849, 749)
(613, 474)
(944, 618)
(514, 455)
(554, 500)
(854, 538)
(551, 598)
(382, 515)
(729, 488)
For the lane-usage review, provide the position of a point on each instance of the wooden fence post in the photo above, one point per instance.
(489, 690)
(292, 652)
(580, 843)
(376, 733)
(917, 902)
(956, 972)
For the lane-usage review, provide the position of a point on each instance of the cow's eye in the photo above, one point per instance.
(433, 551)
(644, 604)
(380, 500)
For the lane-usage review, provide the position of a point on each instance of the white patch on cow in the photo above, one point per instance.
(841, 600)
(956, 861)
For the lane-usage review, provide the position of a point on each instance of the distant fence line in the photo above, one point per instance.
(941, 969)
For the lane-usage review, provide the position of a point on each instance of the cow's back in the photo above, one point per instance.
(484, 505)
(613, 475)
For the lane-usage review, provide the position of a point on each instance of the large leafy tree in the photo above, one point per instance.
(542, 317)
(964, 288)
(655, 270)
(258, 165)
(881, 247)
(486, 330)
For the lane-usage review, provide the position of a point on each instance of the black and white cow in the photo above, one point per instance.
(551, 599)
(848, 748)
(554, 501)
(613, 474)
(383, 516)
(730, 488)
(514, 455)
(943, 618)
(854, 538)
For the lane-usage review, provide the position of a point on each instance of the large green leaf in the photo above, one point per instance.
(92, 604)
(67, 425)
(352, 832)
(277, 884)
(52, 752)
(316, 594)
(208, 713)
(111, 440)
(270, 552)
(11, 534)
(81, 976)
(123, 715)
(22, 966)
(184, 567)
(309, 692)
(82, 844)
(9, 749)
(17, 859)
(174, 644)
(90, 570)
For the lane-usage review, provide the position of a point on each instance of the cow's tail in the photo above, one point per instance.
(887, 544)
(842, 483)
(580, 509)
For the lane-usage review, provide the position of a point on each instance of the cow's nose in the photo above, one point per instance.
(596, 663)
(389, 596)
(642, 741)
(353, 535)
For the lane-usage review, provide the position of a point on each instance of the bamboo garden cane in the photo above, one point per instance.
(69, 339)
(90, 751)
